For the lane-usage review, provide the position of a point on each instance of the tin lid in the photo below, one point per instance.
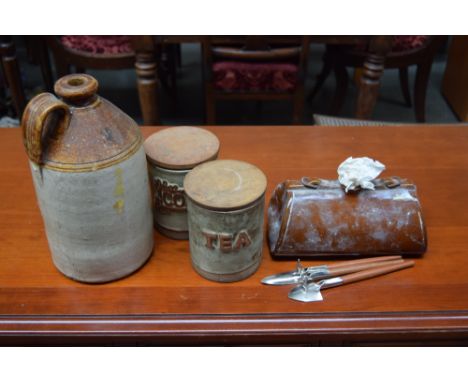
(182, 147)
(225, 184)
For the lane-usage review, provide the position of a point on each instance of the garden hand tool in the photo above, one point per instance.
(324, 271)
(310, 291)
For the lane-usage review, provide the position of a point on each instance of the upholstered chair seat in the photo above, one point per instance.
(405, 43)
(400, 44)
(98, 44)
(253, 76)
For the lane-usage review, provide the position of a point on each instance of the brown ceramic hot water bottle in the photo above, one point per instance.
(318, 218)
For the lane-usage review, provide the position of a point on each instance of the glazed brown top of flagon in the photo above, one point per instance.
(80, 131)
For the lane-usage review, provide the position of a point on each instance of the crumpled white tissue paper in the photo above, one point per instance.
(355, 173)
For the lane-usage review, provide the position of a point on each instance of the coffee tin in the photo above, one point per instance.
(171, 154)
(225, 202)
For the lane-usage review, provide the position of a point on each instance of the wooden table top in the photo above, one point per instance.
(167, 302)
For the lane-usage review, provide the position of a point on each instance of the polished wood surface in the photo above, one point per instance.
(147, 79)
(166, 302)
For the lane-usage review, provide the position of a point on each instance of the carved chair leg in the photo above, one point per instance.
(369, 86)
(342, 79)
(420, 89)
(404, 84)
(373, 67)
(147, 52)
(12, 74)
(147, 83)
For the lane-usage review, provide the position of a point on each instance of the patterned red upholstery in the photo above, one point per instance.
(246, 76)
(98, 44)
(402, 43)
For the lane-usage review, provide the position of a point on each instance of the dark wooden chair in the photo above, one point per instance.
(254, 68)
(11, 74)
(170, 60)
(406, 51)
(37, 54)
(112, 53)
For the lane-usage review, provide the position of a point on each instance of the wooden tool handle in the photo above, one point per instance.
(34, 119)
(344, 270)
(363, 261)
(367, 274)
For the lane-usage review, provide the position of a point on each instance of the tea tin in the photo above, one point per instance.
(171, 154)
(225, 203)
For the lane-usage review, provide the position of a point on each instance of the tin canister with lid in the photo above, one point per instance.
(171, 154)
(225, 202)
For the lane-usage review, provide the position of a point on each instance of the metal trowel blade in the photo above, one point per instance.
(285, 278)
(306, 294)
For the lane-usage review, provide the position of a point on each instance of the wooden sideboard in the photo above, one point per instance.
(166, 302)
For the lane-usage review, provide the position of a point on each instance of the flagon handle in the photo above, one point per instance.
(34, 119)
(374, 272)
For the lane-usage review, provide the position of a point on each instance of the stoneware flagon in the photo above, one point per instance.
(89, 170)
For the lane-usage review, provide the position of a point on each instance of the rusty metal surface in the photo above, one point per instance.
(226, 246)
(225, 184)
(169, 204)
(171, 154)
(225, 205)
(181, 147)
